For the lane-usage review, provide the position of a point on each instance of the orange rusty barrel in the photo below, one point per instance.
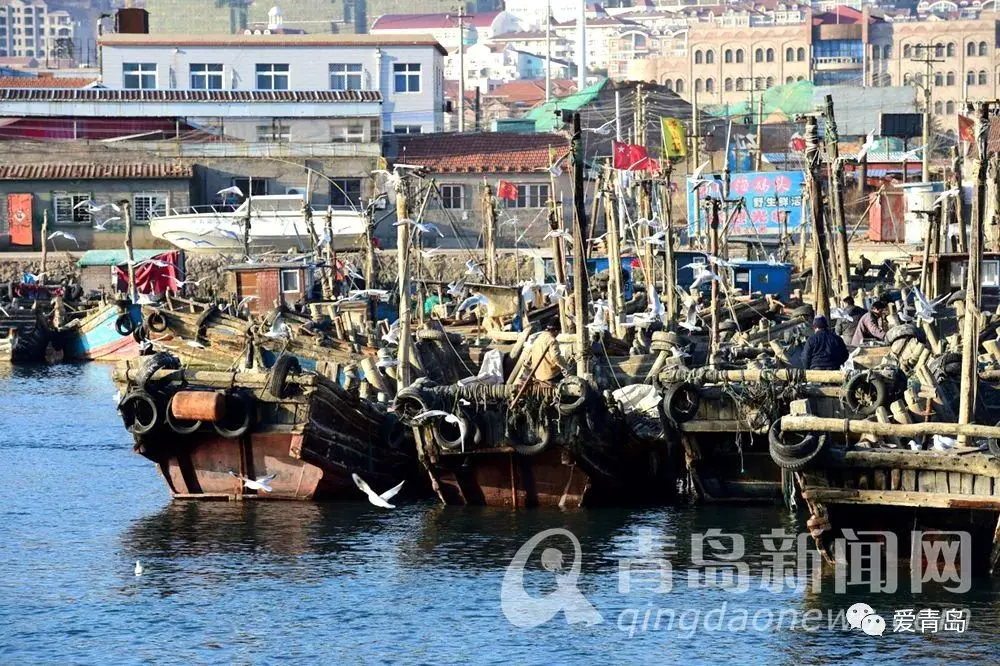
(206, 406)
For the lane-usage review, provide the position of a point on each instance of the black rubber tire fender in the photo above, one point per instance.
(124, 324)
(449, 435)
(901, 332)
(239, 416)
(805, 311)
(140, 412)
(181, 427)
(796, 464)
(278, 382)
(681, 402)
(574, 386)
(139, 334)
(806, 441)
(156, 322)
(541, 430)
(857, 382)
(149, 367)
(407, 404)
(728, 326)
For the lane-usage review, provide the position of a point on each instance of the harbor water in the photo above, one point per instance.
(349, 583)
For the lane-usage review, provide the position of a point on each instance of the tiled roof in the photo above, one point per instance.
(207, 96)
(530, 91)
(431, 21)
(45, 82)
(93, 171)
(485, 152)
(121, 39)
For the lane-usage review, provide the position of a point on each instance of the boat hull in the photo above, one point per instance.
(98, 340)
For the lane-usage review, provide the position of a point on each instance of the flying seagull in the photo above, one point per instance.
(472, 268)
(420, 227)
(559, 233)
(381, 501)
(63, 234)
(261, 483)
(473, 301)
(181, 283)
(869, 142)
(230, 190)
(103, 226)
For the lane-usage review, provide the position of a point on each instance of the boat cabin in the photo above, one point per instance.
(750, 276)
(267, 285)
(545, 272)
(948, 273)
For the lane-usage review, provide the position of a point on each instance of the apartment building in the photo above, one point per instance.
(30, 28)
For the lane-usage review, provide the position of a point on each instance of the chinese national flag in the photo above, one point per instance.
(966, 129)
(507, 190)
(630, 157)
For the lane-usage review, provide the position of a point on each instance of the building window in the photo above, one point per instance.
(939, 50)
(710, 85)
(950, 49)
(256, 187)
(139, 75)
(919, 51)
(65, 208)
(206, 76)
(709, 57)
(271, 76)
(147, 205)
(769, 56)
(345, 76)
(697, 57)
(789, 79)
(770, 82)
(938, 79)
(350, 133)
(345, 192)
(727, 85)
(698, 86)
(970, 78)
(679, 86)
(739, 56)
(949, 79)
(407, 129)
(668, 84)
(790, 54)
(290, 282)
(728, 56)
(275, 132)
(758, 55)
(907, 79)
(982, 78)
(970, 49)
(739, 83)
(983, 49)
(758, 83)
(949, 108)
(938, 108)
(532, 196)
(453, 196)
(907, 51)
(406, 77)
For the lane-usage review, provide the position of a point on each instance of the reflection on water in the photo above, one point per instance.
(251, 582)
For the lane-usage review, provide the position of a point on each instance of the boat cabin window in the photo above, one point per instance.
(290, 282)
(990, 273)
(257, 186)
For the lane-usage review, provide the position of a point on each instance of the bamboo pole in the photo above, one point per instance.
(669, 269)
(837, 201)
(403, 269)
(369, 246)
(821, 256)
(489, 233)
(714, 245)
(956, 168)
(973, 280)
(579, 255)
(616, 301)
(45, 249)
(864, 427)
(133, 291)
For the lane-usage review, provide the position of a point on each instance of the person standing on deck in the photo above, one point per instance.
(825, 350)
(547, 365)
(845, 327)
(871, 326)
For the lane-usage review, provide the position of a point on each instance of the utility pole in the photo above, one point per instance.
(403, 269)
(489, 232)
(461, 68)
(837, 200)
(579, 256)
(548, 50)
(928, 61)
(973, 279)
(581, 48)
(821, 256)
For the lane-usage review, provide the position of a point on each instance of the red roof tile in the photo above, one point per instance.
(45, 82)
(431, 21)
(485, 152)
(530, 91)
(93, 171)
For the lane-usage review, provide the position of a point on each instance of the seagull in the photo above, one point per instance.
(230, 190)
(690, 317)
(138, 568)
(279, 330)
(63, 234)
(659, 238)
(716, 261)
(261, 483)
(392, 337)
(103, 226)
(927, 309)
(555, 170)
(380, 501)
(702, 275)
(472, 268)
(449, 418)
(226, 233)
(944, 196)
(245, 301)
(156, 262)
(848, 365)
(90, 203)
(869, 142)
(473, 301)
(840, 313)
(419, 227)
(385, 359)
(456, 288)
(181, 283)
(381, 294)
(696, 174)
(431, 252)
(117, 396)
(942, 443)
(603, 130)
(194, 343)
(193, 241)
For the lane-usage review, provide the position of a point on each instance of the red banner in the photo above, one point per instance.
(19, 219)
(507, 190)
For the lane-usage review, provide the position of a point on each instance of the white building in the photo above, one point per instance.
(444, 27)
(489, 65)
(407, 72)
(30, 29)
(531, 13)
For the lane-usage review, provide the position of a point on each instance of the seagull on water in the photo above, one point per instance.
(138, 568)
(381, 501)
(261, 483)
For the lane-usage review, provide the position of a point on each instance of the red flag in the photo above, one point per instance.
(797, 143)
(630, 157)
(507, 190)
(966, 129)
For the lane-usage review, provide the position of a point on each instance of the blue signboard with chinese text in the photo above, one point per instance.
(766, 194)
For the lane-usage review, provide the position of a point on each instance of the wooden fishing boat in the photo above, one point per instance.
(24, 336)
(105, 333)
(209, 432)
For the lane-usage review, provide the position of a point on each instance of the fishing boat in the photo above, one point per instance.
(275, 222)
(104, 333)
(281, 434)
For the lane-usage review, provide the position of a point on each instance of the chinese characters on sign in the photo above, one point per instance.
(766, 195)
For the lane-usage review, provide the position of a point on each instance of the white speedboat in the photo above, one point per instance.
(276, 222)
